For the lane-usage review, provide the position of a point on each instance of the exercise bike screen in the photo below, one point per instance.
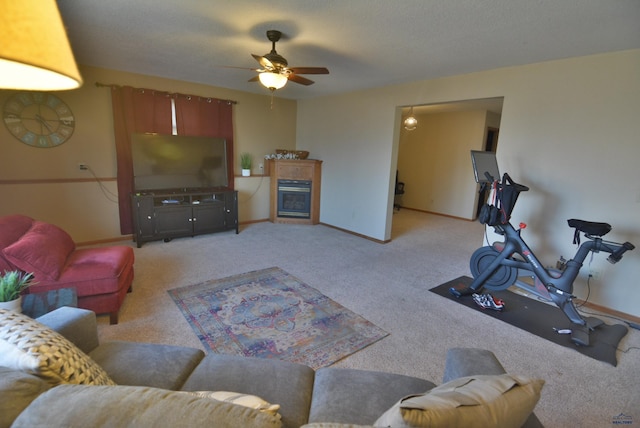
(484, 162)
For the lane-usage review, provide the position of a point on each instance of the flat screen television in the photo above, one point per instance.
(167, 162)
(484, 162)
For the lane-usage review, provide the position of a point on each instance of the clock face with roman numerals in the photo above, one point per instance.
(38, 119)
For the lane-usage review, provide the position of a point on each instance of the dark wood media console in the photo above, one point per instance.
(173, 214)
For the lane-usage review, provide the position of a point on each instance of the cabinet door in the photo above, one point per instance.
(173, 221)
(231, 210)
(143, 216)
(208, 217)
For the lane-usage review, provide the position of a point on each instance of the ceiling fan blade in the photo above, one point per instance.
(239, 68)
(299, 79)
(254, 79)
(309, 70)
(264, 62)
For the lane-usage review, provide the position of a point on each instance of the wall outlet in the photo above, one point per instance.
(261, 167)
(83, 166)
(595, 273)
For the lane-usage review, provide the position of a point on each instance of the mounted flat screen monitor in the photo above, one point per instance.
(484, 162)
(178, 162)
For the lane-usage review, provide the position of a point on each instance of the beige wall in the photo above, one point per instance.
(66, 196)
(569, 130)
(434, 158)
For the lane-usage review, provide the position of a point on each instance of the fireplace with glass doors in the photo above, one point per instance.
(295, 191)
(294, 198)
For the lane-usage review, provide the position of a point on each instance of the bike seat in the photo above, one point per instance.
(590, 227)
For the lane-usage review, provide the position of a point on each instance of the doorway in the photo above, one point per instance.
(434, 161)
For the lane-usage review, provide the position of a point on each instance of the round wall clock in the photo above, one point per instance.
(38, 119)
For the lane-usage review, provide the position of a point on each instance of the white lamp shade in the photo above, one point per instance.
(272, 80)
(34, 50)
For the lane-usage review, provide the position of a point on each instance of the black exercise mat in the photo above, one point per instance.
(540, 319)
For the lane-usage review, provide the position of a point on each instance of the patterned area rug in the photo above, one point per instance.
(271, 314)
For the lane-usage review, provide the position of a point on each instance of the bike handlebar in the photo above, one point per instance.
(617, 255)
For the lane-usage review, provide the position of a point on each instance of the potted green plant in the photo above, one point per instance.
(12, 284)
(245, 163)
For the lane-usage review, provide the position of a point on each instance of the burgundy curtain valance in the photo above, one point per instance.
(168, 94)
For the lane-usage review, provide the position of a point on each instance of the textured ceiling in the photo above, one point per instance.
(364, 43)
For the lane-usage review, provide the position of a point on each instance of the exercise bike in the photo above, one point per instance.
(499, 266)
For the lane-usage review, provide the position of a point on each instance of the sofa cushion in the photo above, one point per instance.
(147, 364)
(12, 227)
(136, 407)
(43, 250)
(27, 345)
(342, 395)
(474, 401)
(93, 271)
(18, 390)
(282, 382)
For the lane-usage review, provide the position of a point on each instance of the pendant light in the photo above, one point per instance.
(410, 123)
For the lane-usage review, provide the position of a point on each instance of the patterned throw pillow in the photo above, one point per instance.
(34, 348)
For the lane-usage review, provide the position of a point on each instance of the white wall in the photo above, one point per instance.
(569, 131)
(353, 136)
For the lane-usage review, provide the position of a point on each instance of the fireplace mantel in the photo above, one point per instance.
(298, 169)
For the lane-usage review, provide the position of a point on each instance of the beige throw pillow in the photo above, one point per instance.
(474, 401)
(34, 348)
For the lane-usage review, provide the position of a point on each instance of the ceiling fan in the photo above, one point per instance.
(275, 71)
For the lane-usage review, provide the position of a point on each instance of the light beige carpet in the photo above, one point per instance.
(387, 284)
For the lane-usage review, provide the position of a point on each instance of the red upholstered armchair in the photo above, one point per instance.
(101, 276)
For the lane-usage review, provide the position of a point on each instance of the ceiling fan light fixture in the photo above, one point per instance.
(272, 81)
(410, 123)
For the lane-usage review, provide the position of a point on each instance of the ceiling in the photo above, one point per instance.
(494, 105)
(363, 43)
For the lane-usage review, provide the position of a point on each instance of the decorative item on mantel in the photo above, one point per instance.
(245, 163)
(12, 284)
(284, 154)
(288, 154)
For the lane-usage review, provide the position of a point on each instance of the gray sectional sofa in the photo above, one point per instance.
(148, 374)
